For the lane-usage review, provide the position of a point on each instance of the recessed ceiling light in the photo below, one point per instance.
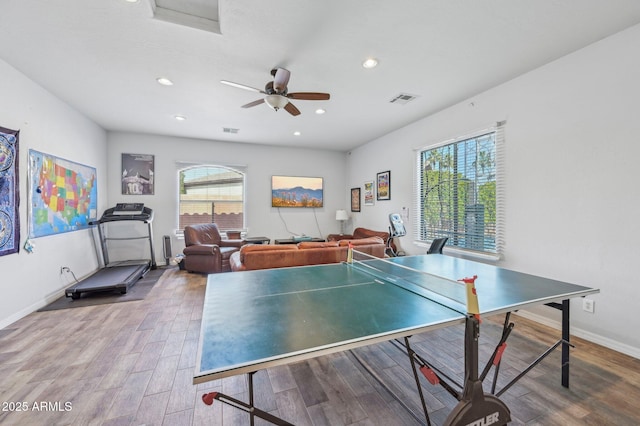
(180, 117)
(164, 80)
(131, 1)
(370, 63)
(296, 133)
(320, 111)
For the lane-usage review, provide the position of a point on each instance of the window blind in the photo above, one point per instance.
(459, 187)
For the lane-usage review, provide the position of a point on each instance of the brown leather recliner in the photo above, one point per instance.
(205, 250)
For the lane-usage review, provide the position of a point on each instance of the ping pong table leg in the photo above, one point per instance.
(566, 335)
(566, 343)
(241, 405)
(496, 357)
(251, 412)
(476, 407)
(416, 377)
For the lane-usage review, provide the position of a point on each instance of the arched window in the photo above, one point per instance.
(211, 194)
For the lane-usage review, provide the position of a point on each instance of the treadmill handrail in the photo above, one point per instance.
(108, 217)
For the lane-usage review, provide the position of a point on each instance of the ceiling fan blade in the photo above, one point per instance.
(281, 79)
(310, 96)
(254, 103)
(291, 109)
(241, 86)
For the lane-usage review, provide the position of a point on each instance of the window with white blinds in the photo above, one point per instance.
(459, 192)
(211, 194)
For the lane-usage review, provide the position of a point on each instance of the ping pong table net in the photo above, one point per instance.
(459, 296)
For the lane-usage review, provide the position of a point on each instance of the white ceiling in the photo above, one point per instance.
(103, 58)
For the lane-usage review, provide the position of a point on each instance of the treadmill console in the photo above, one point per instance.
(128, 209)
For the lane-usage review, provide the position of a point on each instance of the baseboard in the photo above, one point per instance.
(6, 322)
(583, 334)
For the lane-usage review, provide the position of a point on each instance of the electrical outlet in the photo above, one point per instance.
(588, 305)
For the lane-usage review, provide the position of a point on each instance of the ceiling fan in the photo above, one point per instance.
(278, 93)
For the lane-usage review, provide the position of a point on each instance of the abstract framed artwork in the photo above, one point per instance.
(369, 193)
(137, 174)
(9, 192)
(355, 199)
(383, 181)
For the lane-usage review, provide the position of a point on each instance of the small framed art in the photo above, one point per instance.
(369, 193)
(383, 180)
(355, 199)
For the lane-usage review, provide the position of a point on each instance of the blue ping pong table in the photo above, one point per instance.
(254, 320)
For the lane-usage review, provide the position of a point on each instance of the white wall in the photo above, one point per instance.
(48, 125)
(261, 163)
(572, 174)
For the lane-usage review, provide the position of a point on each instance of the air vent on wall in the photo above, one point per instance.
(230, 130)
(402, 98)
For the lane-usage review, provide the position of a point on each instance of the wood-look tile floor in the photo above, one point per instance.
(132, 364)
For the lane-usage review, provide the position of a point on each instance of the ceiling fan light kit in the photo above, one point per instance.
(276, 101)
(277, 93)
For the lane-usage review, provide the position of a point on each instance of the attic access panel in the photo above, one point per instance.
(199, 14)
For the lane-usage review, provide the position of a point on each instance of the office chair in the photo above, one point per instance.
(437, 245)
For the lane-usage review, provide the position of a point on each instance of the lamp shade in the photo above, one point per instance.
(276, 101)
(342, 215)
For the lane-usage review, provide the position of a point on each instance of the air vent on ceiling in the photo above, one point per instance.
(402, 98)
(230, 130)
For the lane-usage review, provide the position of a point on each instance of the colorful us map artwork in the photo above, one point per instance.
(9, 192)
(63, 195)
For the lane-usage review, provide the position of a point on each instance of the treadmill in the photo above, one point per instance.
(118, 276)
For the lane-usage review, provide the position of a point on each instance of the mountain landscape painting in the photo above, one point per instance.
(296, 191)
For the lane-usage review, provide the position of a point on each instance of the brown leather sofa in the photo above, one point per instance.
(205, 251)
(265, 256)
(361, 233)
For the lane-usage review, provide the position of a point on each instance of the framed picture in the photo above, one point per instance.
(296, 191)
(137, 174)
(383, 180)
(355, 199)
(369, 193)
